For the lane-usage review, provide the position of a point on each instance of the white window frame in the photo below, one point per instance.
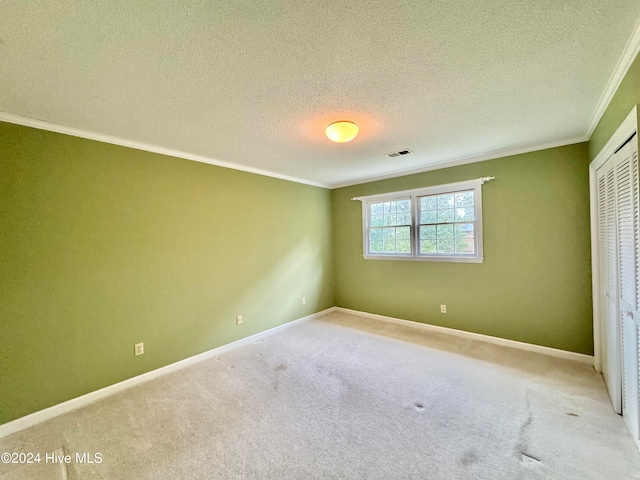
(414, 195)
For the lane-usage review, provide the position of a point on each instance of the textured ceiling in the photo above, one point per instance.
(255, 83)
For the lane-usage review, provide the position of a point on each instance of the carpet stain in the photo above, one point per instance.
(280, 368)
(525, 425)
(523, 444)
(529, 460)
(573, 414)
(469, 458)
(419, 407)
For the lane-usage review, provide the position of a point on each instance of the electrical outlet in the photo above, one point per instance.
(443, 309)
(304, 300)
(239, 320)
(138, 349)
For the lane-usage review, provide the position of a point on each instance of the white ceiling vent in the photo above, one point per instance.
(399, 153)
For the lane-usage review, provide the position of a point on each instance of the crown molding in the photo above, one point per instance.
(625, 130)
(123, 142)
(625, 61)
(461, 161)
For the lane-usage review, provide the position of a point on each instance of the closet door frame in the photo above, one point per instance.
(624, 131)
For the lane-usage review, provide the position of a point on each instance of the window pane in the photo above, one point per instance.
(445, 201)
(404, 246)
(403, 233)
(464, 199)
(389, 240)
(429, 216)
(389, 207)
(445, 246)
(464, 230)
(428, 246)
(428, 203)
(445, 231)
(464, 246)
(465, 214)
(404, 219)
(375, 246)
(389, 247)
(404, 206)
(445, 215)
(389, 234)
(377, 209)
(376, 221)
(428, 232)
(375, 240)
(390, 220)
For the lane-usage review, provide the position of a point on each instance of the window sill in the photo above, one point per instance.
(408, 258)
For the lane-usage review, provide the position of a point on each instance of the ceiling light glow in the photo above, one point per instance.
(342, 131)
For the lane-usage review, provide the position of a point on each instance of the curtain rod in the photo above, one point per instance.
(482, 180)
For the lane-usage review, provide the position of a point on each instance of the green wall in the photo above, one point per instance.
(103, 246)
(535, 283)
(626, 97)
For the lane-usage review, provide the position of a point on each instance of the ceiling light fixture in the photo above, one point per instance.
(342, 131)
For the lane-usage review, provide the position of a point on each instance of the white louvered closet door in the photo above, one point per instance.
(608, 235)
(619, 238)
(628, 246)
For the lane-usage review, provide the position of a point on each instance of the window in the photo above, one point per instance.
(390, 227)
(441, 223)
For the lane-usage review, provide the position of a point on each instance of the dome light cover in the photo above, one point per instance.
(342, 131)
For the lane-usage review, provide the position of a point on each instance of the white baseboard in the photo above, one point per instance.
(84, 400)
(554, 352)
(40, 416)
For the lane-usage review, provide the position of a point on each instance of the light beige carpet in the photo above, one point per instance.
(344, 397)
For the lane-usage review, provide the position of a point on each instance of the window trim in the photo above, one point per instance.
(414, 194)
